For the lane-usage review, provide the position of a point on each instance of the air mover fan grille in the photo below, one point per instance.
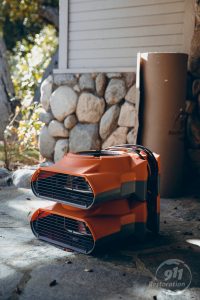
(65, 188)
(64, 232)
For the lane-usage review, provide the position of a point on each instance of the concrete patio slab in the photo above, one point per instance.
(31, 269)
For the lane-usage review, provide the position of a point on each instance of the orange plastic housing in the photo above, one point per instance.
(100, 196)
(56, 224)
(83, 181)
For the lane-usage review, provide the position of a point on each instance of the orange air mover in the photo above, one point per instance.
(89, 178)
(100, 195)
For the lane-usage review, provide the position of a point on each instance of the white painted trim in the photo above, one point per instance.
(189, 24)
(63, 33)
(94, 70)
(137, 104)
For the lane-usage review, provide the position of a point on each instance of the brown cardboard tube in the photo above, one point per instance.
(163, 94)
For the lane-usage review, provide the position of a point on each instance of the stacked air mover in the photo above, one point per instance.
(98, 196)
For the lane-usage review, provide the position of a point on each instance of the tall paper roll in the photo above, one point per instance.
(163, 94)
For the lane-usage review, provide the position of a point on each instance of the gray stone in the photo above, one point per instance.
(127, 115)
(190, 106)
(4, 173)
(46, 143)
(131, 95)
(194, 155)
(57, 129)
(116, 138)
(63, 102)
(86, 82)
(132, 136)
(70, 121)
(45, 117)
(65, 79)
(84, 137)
(90, 108)
(61, 148)
(194, 58)
(114, 75)
(193, 131)
(198, 104)
(101, 84)
(45, 91)
(196, 87)
(5, 177)
(76, 88)
(94, 75)
(46, 163)
(109, 121)
(22, 178)
(115, 91)
(130, 79)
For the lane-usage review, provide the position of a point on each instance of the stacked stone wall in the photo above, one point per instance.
(193, 104)
(87, 111)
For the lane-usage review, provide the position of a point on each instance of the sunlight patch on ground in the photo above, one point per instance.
(194, 242)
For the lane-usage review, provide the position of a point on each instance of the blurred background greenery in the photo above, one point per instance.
(30, 32)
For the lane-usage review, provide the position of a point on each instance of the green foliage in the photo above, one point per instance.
(16, 157)
(21, 19)
(31, 43)
(22, 140)
(16, 31)
(29, 127)
(29, 61)
(23, 9)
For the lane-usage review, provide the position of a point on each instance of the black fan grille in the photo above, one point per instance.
(63, 232)
(63, 188)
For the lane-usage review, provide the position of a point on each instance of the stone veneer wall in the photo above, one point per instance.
(87, 111)
(193, 105)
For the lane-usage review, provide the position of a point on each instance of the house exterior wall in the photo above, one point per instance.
(109, 33)
(92, 100)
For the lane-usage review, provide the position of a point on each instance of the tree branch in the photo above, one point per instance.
(50, 15)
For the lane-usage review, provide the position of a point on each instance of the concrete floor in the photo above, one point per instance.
(28, 266)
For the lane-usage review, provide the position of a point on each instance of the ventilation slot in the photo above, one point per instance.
(64, 232)
(64, 188)
(99, 153)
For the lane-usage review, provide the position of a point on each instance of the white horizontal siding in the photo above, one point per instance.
(118, 53)
(101, 63)
(172, 18)
(110, 33)
(112, 4)
(154, 30)
(117, 13)
(114, 44)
